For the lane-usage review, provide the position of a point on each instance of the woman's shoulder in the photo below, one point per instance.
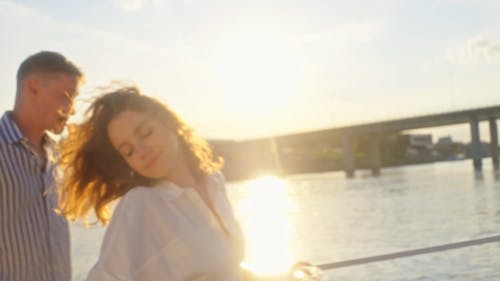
(137, 196)
(137, 193)
(143, 200)
(218, 178)
(133, 199)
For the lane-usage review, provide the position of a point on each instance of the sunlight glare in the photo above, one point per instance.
(267, 226)
(257, 70)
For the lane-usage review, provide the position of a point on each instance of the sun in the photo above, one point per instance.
(257, 70)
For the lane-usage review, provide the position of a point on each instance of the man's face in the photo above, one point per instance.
(54, 100)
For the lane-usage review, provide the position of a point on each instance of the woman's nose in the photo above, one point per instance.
(142, 149)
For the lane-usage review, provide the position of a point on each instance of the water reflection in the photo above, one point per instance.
(496, 174)
(478, 175)
(264, 217)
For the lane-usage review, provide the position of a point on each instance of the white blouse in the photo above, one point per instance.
(167, 232)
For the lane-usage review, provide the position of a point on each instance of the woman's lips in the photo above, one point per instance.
(152, 160)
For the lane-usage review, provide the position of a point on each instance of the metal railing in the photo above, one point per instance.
(409, 253)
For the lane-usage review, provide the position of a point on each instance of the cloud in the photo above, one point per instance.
(7, 7)
(137, 5)
(130, 5)
(134, 5)
(485, 4)
(345, 35)
(103, 55)
(486, 49)
(476, 50)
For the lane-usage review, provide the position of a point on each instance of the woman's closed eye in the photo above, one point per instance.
(126, 150)
(145, 131)
(142, 131)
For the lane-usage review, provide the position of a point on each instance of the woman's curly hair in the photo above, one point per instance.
(95, 174)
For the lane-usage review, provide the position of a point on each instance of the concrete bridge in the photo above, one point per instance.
(374, 130)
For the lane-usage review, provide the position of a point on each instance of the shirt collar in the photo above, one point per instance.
(173, 190)
(10, 132)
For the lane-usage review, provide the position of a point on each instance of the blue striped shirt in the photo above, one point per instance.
(34, 240)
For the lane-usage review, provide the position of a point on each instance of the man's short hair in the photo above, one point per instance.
(47, 62)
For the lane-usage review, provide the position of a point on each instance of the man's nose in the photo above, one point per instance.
(72, 110)
(69, 107)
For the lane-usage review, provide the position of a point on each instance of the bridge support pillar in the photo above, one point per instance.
(494, 142)
(348, 156)
(475, 144)
(275, 151)
(375, 156)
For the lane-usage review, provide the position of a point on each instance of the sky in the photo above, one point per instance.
(246, 69)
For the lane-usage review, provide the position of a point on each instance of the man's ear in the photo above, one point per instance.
(32, 84)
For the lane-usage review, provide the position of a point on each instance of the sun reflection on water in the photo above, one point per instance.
(266, 223)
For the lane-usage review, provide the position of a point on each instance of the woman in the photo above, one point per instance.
(173, 220)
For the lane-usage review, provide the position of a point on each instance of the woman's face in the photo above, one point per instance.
(148, 147)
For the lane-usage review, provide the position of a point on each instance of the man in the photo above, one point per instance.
(34, 240)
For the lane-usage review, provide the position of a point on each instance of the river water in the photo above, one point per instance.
(324, 218)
